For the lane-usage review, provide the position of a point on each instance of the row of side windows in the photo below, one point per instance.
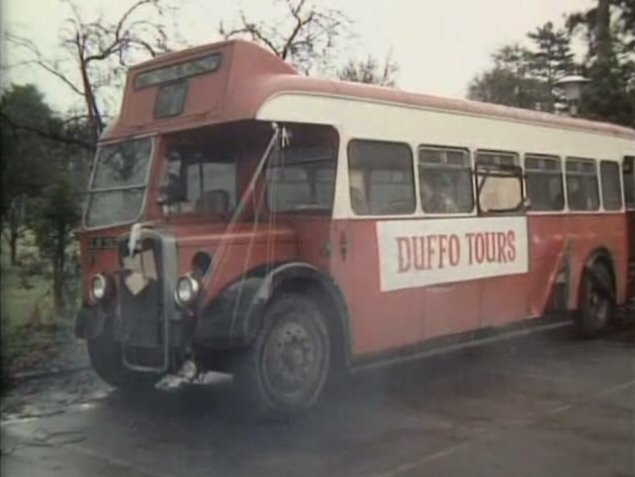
(382, 181)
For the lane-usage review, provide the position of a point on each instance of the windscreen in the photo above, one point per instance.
(118, 187)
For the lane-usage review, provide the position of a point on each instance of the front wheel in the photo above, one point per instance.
(597, 301)
(283, 372)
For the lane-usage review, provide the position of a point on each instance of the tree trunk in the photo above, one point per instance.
(603, 31)
(13, 246)
(15, 221)
(58, 290)
(59, 277)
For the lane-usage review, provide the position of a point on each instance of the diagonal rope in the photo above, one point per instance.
(240, 208)
(258, 199)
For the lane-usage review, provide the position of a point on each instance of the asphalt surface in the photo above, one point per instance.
(544, 405)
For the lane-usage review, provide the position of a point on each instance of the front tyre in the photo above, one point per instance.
(285, 369)
(597, 301)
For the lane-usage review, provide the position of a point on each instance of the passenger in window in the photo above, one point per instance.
(359, 202)
(556, 195)
(577, 200)
(434, 198)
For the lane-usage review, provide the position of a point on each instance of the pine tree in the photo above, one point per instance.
(551, 59)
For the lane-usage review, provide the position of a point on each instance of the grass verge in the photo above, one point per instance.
(29, 324)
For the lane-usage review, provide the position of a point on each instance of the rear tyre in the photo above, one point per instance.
(106, 359)
(283, 372)
(597, 301)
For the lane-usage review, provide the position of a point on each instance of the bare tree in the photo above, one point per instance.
(370, 71)
(97, 52)
(306, 34)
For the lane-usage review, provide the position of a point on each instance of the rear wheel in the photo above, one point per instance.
(597, 301)
(285, 369)
(106, 359)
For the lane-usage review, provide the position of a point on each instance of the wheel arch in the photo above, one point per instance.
(307, 280)
(600, 255)
(234, 317)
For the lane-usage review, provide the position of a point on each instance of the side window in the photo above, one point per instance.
(543, 178)
(381, 178)
(304, 179)
(628, 172)
(499, 181)
(611, 185)
(582, 184)
(445, 176)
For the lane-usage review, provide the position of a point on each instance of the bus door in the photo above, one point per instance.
(500, 245)
(441, 242)
(628, 171)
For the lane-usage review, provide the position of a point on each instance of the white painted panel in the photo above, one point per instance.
(416, 253)
(365, 119)
(388, 121)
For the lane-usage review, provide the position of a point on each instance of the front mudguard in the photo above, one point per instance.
(229, 320)
(233, 318)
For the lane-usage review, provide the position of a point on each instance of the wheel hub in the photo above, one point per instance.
(292, 356)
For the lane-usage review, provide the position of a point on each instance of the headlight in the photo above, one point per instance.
(98, 287)
(187, 289)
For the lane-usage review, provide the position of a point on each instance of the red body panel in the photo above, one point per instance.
(386, 320)
(379, 321)
(630, 219)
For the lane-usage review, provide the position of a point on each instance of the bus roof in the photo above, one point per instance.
(249, 75)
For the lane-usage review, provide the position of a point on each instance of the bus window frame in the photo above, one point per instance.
(473, 192)
(627, 159)
(416, 210)
(499, 170)
(600, 208)
(565, 205)
(155, 147)
(601, 162)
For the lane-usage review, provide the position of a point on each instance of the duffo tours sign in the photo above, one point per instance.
(415, 253)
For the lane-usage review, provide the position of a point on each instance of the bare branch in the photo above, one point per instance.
(101, 50)
(306, 33)
(49, 133)
(39, 60)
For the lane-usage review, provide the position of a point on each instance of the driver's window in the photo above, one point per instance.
(200, 185)
(499, 182)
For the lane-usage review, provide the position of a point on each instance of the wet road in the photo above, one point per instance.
(543, 405)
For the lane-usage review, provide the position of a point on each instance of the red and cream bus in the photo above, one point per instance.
(245, 218)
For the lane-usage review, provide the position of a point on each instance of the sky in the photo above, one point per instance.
(439, 45)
